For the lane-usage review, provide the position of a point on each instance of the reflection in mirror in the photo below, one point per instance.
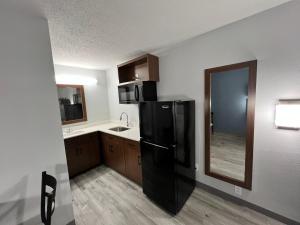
(229, 122)
(71, 103)
(229, 95)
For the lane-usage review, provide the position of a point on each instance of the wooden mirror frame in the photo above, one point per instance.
(84, 118)
(252, 65)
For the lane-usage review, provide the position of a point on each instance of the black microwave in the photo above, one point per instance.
(137, 91)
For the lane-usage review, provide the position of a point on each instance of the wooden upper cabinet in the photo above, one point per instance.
(144, 68)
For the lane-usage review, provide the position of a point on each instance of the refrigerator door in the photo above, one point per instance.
(185, 150)
(157, 123)
(183, 127)
(146, 120)
(158, 174)
(164, 124)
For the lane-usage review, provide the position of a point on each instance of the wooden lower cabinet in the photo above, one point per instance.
(133, 166)
(113, 153)
(123, 156)
(82, 152)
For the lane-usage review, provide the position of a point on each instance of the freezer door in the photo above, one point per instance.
(157, 123)
(158, 174)
(146, 120)
(164, 124)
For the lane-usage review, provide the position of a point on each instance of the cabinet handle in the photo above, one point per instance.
(139, 160)
(111, 148)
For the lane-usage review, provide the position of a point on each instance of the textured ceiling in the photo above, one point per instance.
(101, 33)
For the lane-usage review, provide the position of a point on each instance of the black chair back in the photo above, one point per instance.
(49, 197)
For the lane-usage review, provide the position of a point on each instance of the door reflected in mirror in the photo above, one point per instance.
(71, 103)
(230, 94)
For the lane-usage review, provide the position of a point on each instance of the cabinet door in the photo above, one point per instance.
(132, 154)
(113, 153)
(107, 145)
(106, 154)
(117, 153)
(94, 150)
(72, 155)
(83, 149)
(119, 162)
(82, 153)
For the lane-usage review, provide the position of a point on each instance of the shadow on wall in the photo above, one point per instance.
(62, 177)
(62, 210)
(14, 210)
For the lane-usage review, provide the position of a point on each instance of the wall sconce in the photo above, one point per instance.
(75, 80)
(287, 114)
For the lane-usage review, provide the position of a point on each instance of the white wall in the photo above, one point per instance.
(113, 98)
(30, 136)
(273, 38)
(95, 95)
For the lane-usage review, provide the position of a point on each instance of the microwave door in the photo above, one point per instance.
(122, 94)
(126, 94)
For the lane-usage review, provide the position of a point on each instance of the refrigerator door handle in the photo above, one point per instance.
(174, 122)
(159, 146)
(136, 93)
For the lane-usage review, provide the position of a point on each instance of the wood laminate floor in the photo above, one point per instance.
(102, 196)
(228, 155)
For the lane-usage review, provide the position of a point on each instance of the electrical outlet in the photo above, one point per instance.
(196, 166)
(238, 190)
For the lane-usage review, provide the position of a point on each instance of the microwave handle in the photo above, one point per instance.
(136, 93)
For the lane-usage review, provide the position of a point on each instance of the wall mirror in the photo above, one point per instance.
(71, 103)
(229, 122)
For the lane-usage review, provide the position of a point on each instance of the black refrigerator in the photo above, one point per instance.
(167, 130)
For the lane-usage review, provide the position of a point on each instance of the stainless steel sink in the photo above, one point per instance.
(119, 129)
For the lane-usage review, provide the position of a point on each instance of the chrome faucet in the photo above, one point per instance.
(126, 118)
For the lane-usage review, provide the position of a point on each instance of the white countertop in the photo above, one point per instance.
(133, 133)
